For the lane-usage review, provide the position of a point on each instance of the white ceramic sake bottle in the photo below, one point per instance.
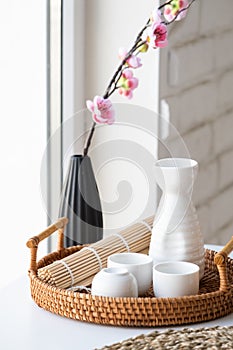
(176, 233)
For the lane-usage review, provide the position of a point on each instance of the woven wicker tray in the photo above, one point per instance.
(215, 298)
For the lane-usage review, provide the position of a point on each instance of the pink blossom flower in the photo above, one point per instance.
(127, 83)
(133, 61)
(157, 35)
(156, 16)
(102, 110)
(171, 10)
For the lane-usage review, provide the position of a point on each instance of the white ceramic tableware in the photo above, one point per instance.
(176, 231)
(140, 265)
(114, 282)
(175, 279)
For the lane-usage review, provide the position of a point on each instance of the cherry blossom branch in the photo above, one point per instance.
(101, 107)
(124, 61)
(120, 69)
(178, 13)
(115, 79)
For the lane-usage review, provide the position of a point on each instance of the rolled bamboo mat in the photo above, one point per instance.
(78, 269)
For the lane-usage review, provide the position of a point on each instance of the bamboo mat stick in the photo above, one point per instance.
(79, 268)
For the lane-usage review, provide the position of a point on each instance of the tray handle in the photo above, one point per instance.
(220, 260)
(33, 242)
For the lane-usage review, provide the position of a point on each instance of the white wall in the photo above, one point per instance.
(123, 154)
(73, 78)
(22, 132)
(196, 83)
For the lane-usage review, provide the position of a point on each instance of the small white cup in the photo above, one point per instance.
(114, 282)
(175, 279)
(140, 265)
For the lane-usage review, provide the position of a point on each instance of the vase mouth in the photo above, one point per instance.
(78, 156)
(172, 163)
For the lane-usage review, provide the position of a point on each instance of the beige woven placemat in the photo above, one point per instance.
(185, 339)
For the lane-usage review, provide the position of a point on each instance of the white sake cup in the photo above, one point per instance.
(114, 282)
(175, 279)
(140, 265)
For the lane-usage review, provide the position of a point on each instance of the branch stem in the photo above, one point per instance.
(85, 152)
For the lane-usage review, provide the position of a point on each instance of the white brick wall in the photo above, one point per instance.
(215, 16)
(197, 113)
(206, 184)
(225, 92)
(221, 210)
(225, 170)
(222, 133)
(191, 70)
(198, 142)
(223, 58)
(197, 84)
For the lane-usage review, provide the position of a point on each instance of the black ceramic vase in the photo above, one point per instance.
(80, 203)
